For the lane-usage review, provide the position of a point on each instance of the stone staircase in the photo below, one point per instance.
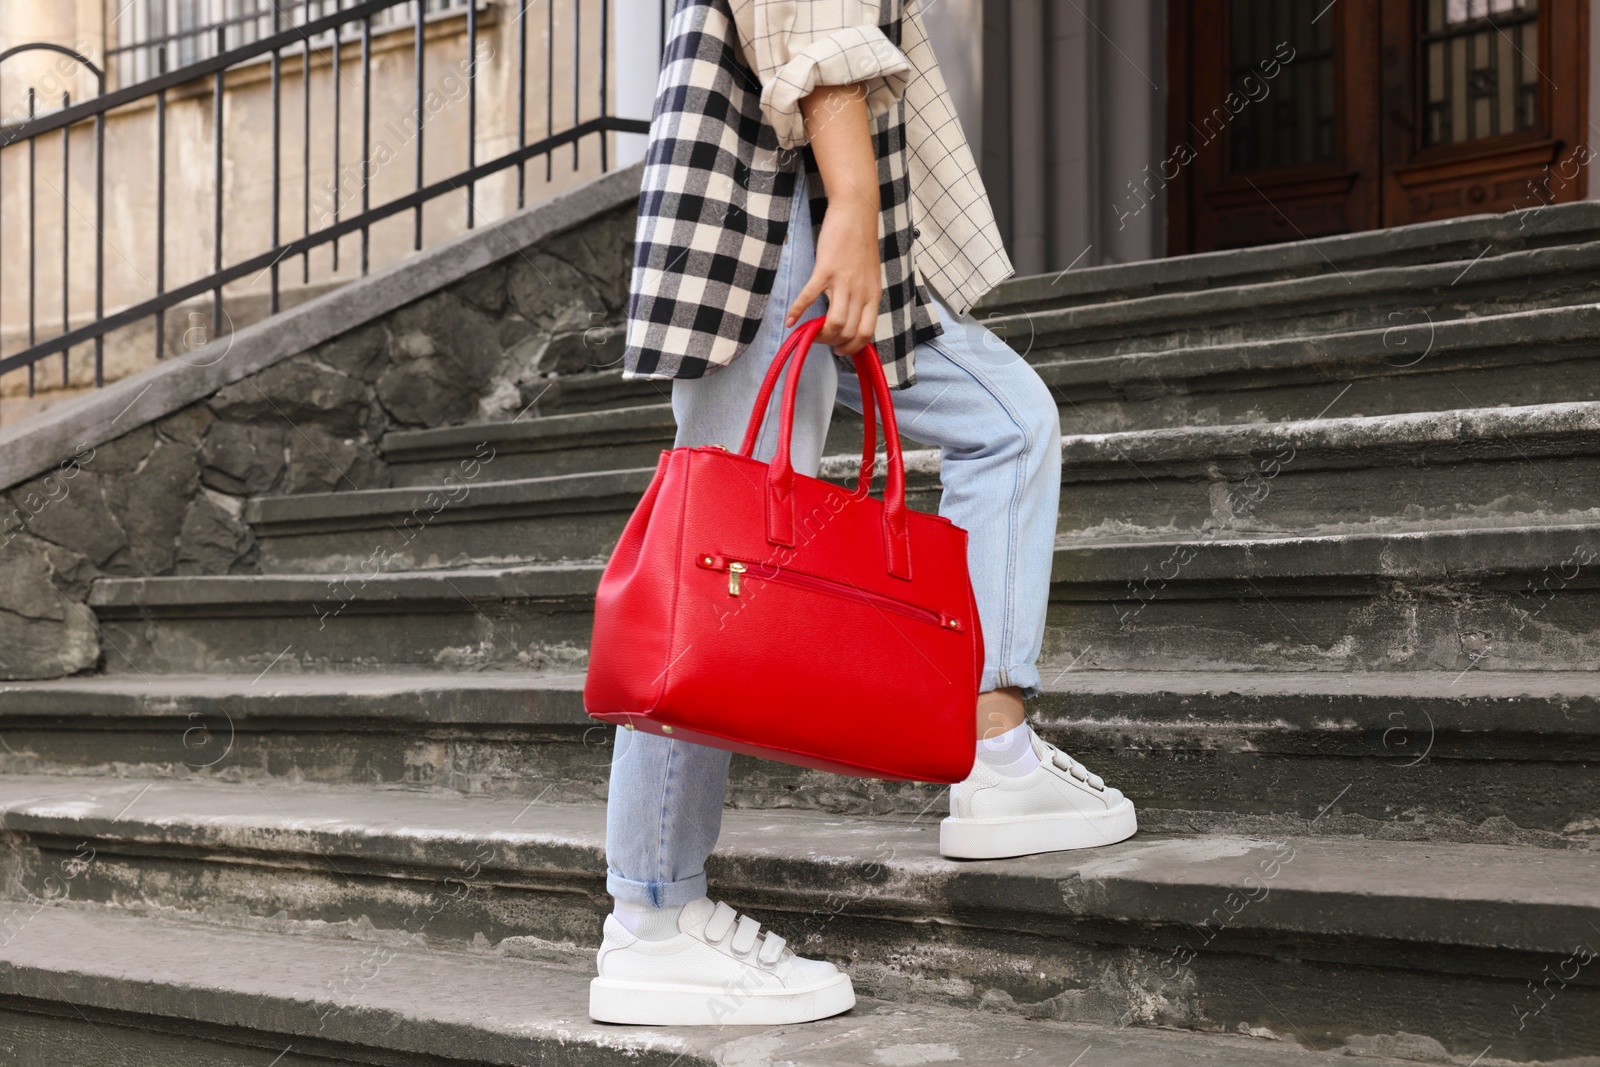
(1324, 605)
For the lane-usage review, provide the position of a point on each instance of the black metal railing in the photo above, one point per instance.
(590, 118)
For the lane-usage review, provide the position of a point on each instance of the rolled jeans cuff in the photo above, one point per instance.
(656, 894)
(1024, 676)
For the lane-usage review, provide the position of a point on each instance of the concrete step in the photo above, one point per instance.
(1508, 598)
(1379, 298)
(1437, 470)
(1495, 757)
(1427, 470)
(527, 618)
(1497, 598)
(1352, 937)
(456, 525)
(592, 391)
(187, 995)
(1454, 240)
(1358, 279)
(1518, 359)
(552, 445)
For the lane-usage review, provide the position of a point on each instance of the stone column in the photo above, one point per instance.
(1131, 214)
(637, 58)
(1590, 136)
(1075, 117)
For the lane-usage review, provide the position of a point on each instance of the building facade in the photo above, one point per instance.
(1111, 131)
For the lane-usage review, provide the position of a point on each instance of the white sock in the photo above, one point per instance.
(646, 922)
(1010, 753)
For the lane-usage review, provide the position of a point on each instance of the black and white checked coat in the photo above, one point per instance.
(726, 141)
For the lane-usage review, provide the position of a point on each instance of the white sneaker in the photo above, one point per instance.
(714, 972)
(1056, 806)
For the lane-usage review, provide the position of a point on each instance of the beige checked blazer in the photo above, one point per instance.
(796, 45)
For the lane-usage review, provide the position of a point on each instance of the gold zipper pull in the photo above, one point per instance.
(734, 571)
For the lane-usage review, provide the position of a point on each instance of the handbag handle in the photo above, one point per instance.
(780, 472)
(869, 451)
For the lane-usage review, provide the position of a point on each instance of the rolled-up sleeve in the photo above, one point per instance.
(796, 45)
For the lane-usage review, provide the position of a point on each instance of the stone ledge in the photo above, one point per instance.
(1345, 564)
(649, 422)
(1542, 335)
(36, 445)
(1454, 238)
(1480, 758)
(1373, 561)
(252, 594)
(561, 494)
(216, 992)
(1429, 894)
(1230, 303)
(1432, 437)
(512, 697)
(1479, 702)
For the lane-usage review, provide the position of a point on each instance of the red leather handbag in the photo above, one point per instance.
(751, 608)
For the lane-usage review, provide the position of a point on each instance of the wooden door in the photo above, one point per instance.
(1303, 118)
(1484, 106)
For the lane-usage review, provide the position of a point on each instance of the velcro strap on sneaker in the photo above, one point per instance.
(721, 922)
(1076, 769)
(771, 948)
(744, 938)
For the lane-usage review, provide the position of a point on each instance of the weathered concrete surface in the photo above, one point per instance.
(522, 618)
(1158, 930)
(619, 438)
(611, 439)
(1388, 297)
(1430, 893)
(459, 523)
(312, 1000)
(1530, 357)
(1453, 240)
(1433, 600)
(1501, 757)
(1384, 475)
(1538, 464)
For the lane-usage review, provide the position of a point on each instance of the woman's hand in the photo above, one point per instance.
(848, 268)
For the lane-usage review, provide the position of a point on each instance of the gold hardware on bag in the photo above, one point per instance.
(666, 729)
(734, 571)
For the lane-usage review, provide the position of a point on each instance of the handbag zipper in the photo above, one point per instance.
(737, 569)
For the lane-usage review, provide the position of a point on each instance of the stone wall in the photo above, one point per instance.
(167, 497)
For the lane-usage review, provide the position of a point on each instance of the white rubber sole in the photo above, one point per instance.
(667, 1004)
(1024, 835)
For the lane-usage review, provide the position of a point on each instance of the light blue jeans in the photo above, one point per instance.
(999, 436)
